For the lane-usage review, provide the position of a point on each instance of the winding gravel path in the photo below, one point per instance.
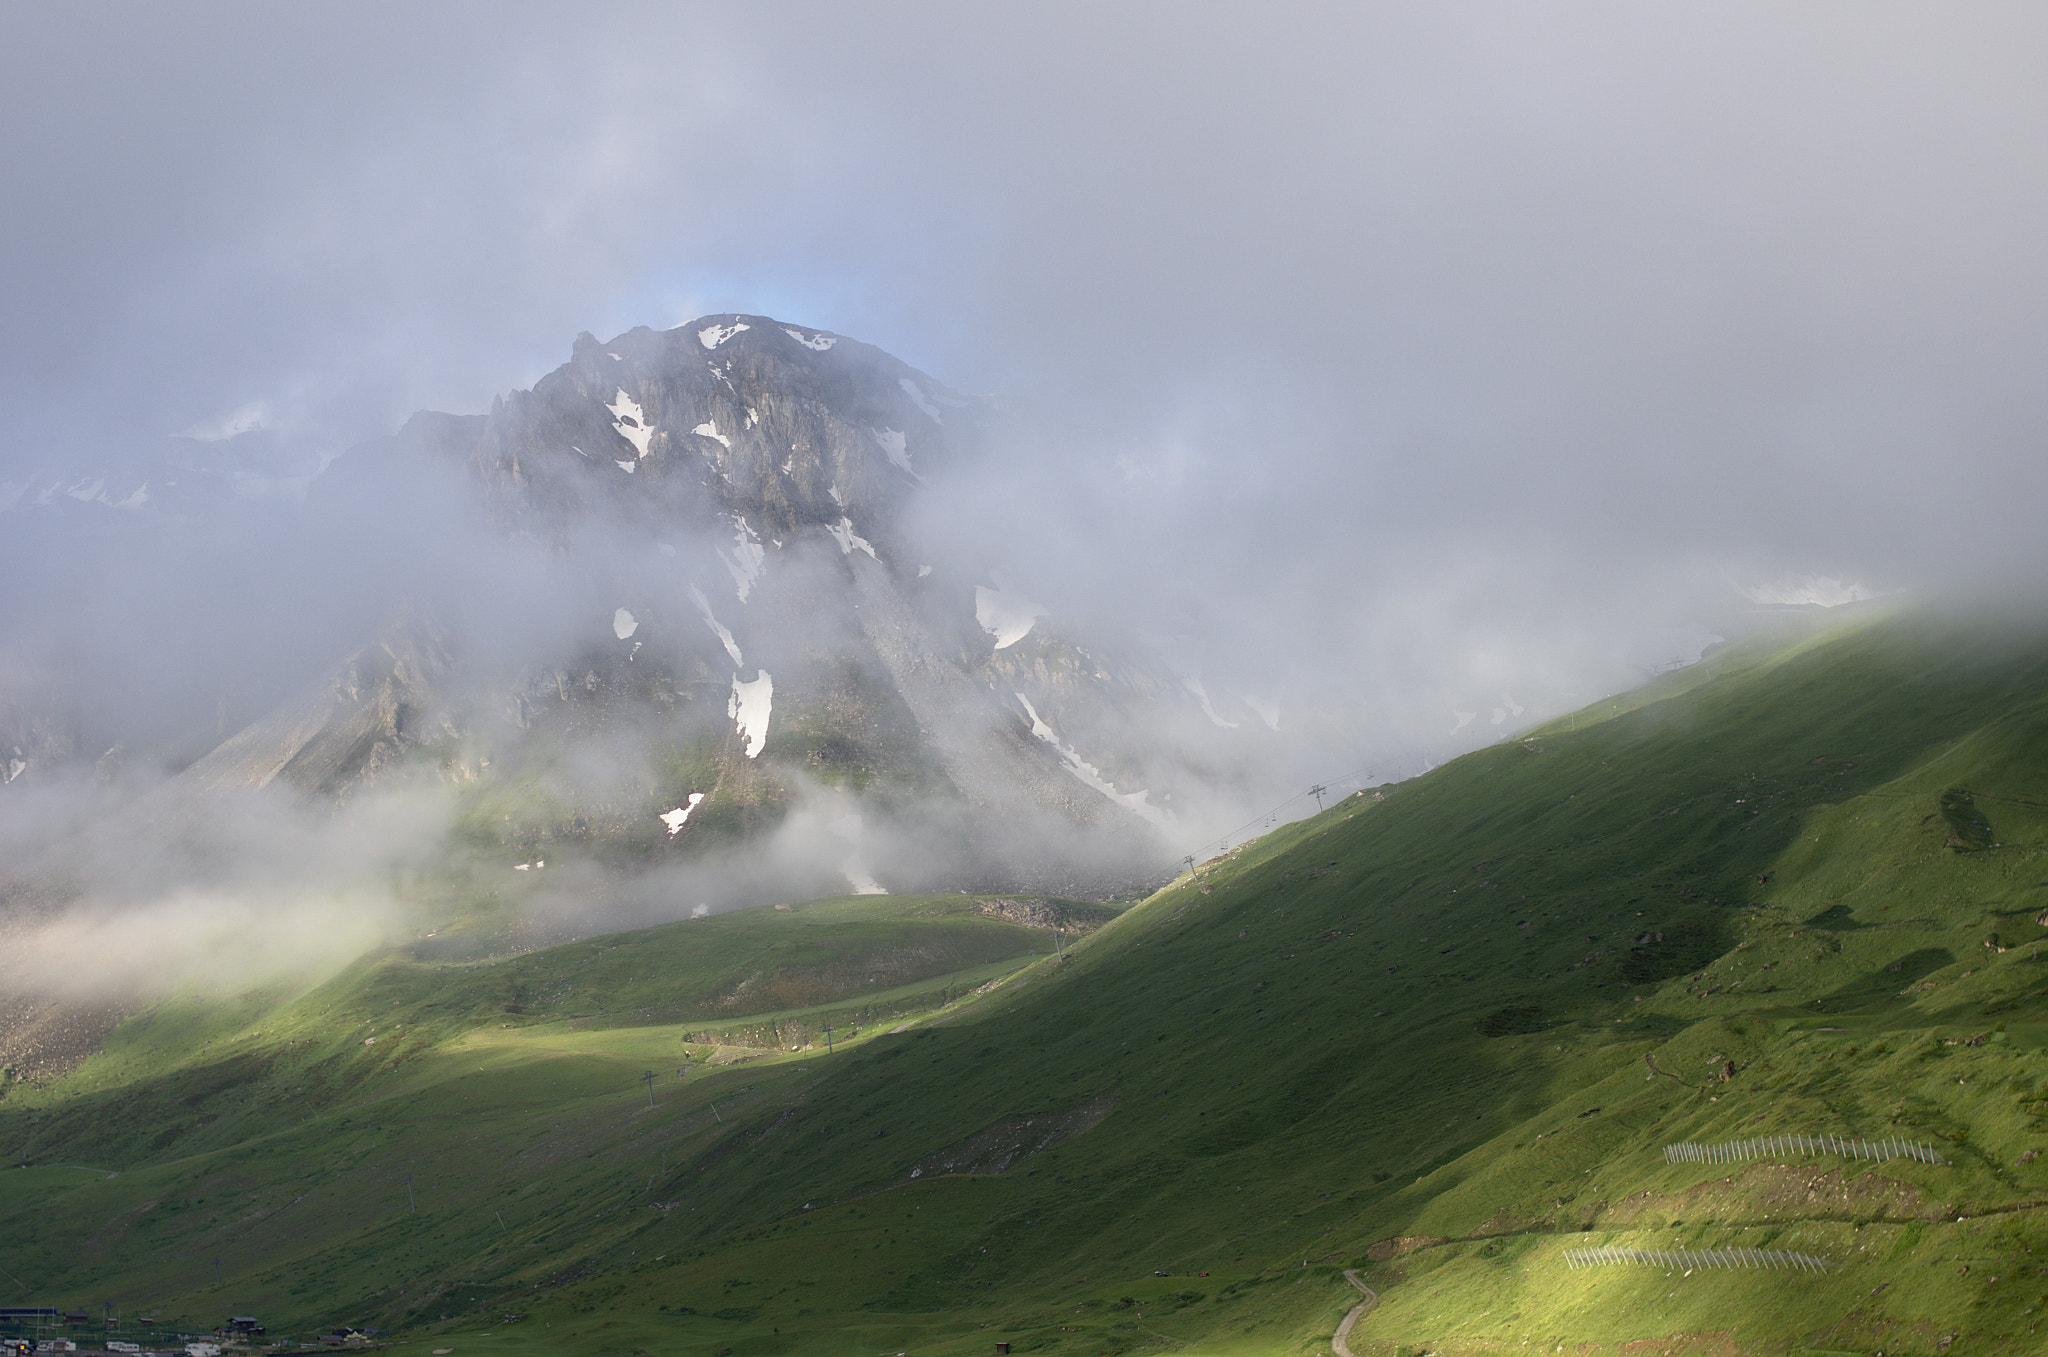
(1339, 1340)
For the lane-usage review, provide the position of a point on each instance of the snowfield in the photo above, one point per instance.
(724, 636)
(893, 448)
(849, 540)
(751, 705)
(630, 422)
(747, 557)
(675, 819)
(1005, 613)
(918, 398)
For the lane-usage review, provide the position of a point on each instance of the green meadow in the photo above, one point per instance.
(1439, 1034)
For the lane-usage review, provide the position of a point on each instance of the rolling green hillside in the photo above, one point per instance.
(1440, 1034)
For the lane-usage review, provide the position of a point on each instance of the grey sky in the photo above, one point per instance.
(1517, 329)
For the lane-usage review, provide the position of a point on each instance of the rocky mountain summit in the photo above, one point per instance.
(773, 428)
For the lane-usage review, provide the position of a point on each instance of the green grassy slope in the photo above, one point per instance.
(1439, 1034)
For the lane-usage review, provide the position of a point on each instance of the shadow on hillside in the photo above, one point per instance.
(1887, 986)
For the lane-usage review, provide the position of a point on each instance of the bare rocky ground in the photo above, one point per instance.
(46, 1036)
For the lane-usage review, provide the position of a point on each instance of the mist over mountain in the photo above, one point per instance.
(1303, 399)
(704, 618)
(735, 611)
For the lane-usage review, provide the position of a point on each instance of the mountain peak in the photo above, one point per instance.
(790, 426)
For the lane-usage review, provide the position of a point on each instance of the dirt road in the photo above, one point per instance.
(1340, 1340)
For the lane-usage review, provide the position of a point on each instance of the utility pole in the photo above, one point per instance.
(828, 1039)
(216, 1269)
(411, 1200)
(1059, 954)
(1317, 792)
(649, 1077)
(1190, 861)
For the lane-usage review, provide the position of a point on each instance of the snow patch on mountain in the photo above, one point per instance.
(624, 624)
(627, 467)
(1269, 712)
(711, 336)
(1194, 685)
(917, 398)
(848, 540)
(752, 703)
(677, 818)
(745, 560)
(1005, 613)
(891, 441)
(629, 422)
(1088, 774)
(819, 342)
(709, 429)
(724, 636)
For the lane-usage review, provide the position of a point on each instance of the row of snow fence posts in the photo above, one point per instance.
(1879, 1150)
(1700, 1258)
